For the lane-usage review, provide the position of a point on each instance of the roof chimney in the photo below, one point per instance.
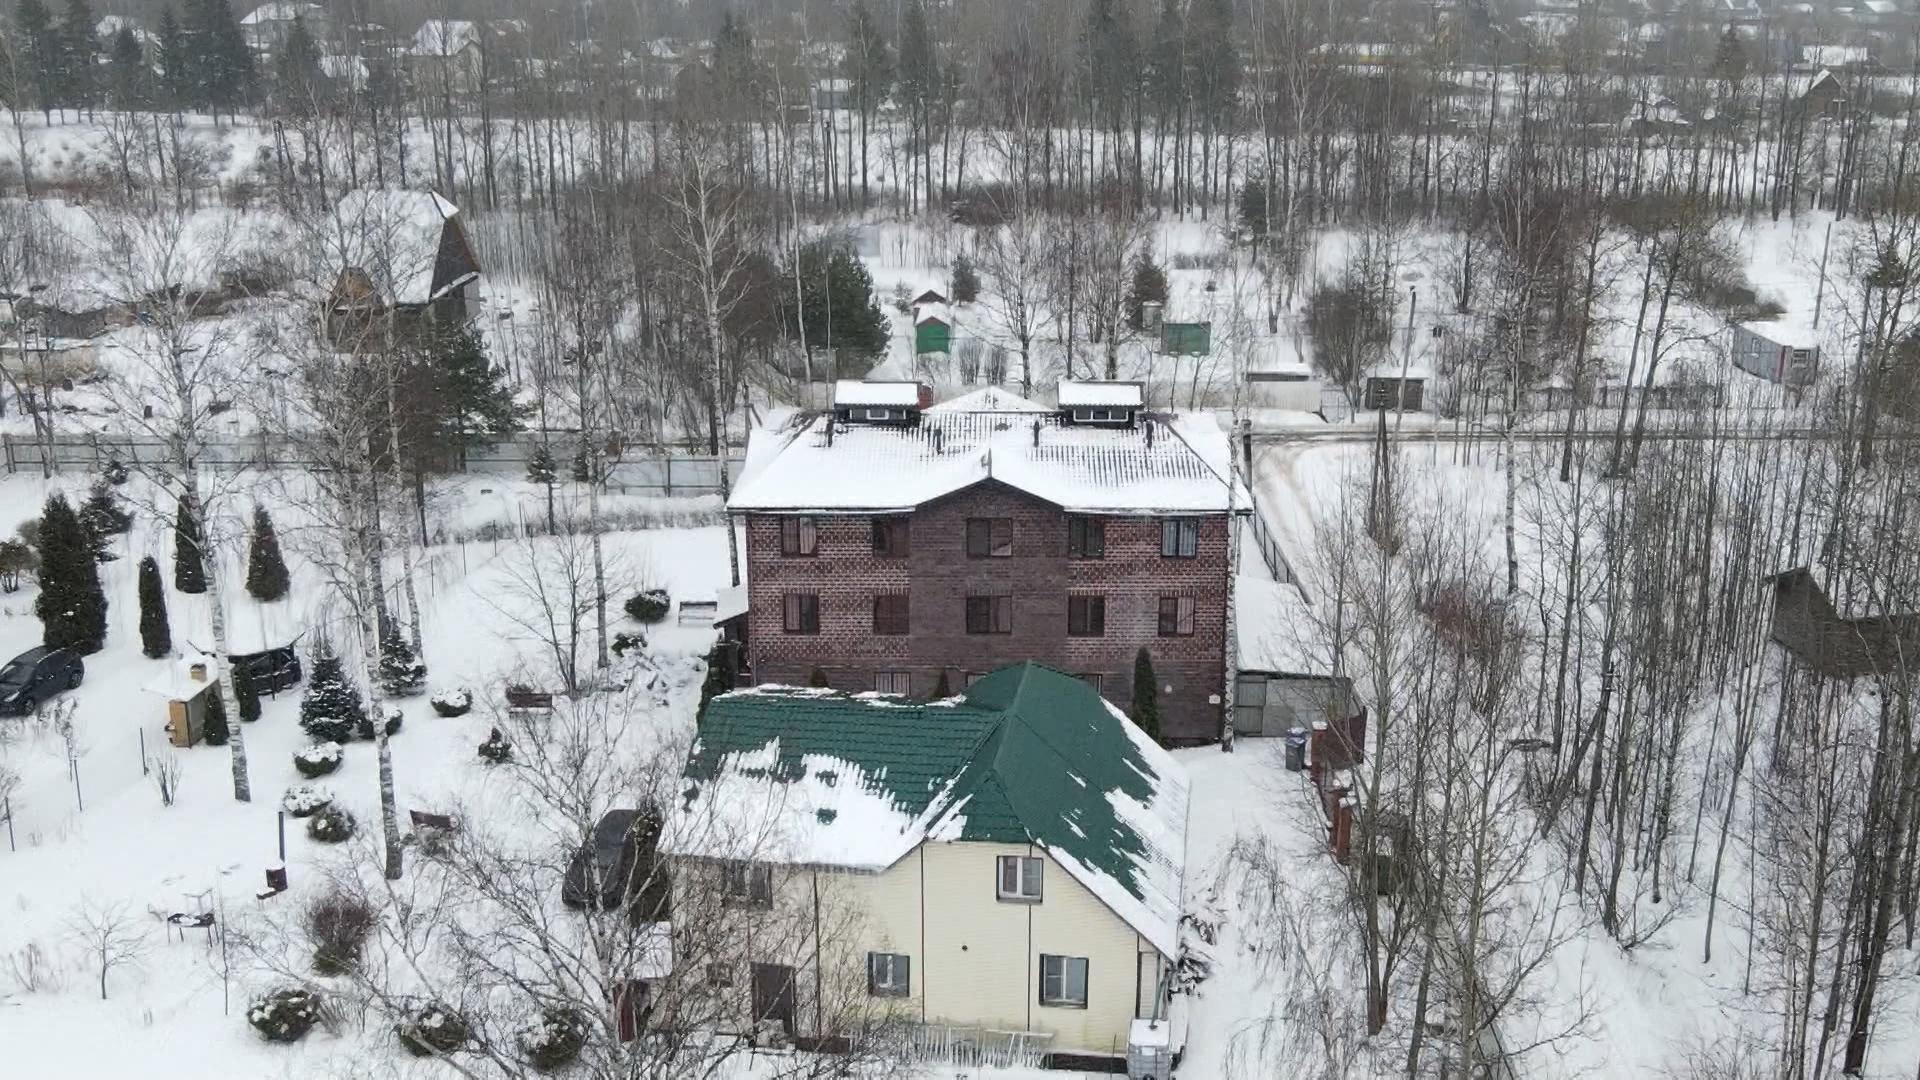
(198, 673)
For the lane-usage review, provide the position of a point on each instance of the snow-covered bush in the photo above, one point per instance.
(305, 800)
(331, 826)
(553, 1039)
(318, 760)
(496, 750)
(624, 643)
(393, 717)
(649, 605)
(285, 1015)
(433, 1029)
(338, 925)
(455, 702)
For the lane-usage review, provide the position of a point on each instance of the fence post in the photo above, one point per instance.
(669, 474)
(6, 443)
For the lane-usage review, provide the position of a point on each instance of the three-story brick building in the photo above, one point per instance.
(901, 547)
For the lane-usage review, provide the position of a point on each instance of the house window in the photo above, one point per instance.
(1091, 678)
(1019, 878)
(893, 682)
(1086, 616)
(720, 975)
(1086, 538)
(989, 614)
(1063, 981)
(890, 613)
(890, 538)
(1179, 538)
(888, 974)
(747, 885)
(798, 537)
(974, 677)
(802, 615)
(989, 538)
(879, 414)
(1176, 616)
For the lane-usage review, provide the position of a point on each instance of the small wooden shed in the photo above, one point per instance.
(186, 686)
(932, 330)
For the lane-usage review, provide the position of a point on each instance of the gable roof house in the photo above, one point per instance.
(267, 26)
(389, 250)
(1013, 859)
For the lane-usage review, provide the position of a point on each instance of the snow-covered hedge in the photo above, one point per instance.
(318, 759)
(305, 800)
(331, 826)
(455, 702)
(649, 605)
(433, 1029)
(553, 1039)
(393, 717)
(285, 1015)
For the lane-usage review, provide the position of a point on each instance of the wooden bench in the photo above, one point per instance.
(525, 698)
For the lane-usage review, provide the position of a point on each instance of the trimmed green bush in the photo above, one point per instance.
(285, 1015)
(554, 1039)
(433, 1029)
(649, 605)
(318, 760)
(331, 826)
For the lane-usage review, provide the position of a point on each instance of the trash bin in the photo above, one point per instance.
(1296, 749)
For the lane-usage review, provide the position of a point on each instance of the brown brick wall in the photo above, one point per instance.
(938, 576)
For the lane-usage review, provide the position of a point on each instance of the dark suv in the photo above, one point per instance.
(37, 675)
(617, 861)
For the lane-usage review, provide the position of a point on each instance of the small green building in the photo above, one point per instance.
(932, 331)
(1186, 338)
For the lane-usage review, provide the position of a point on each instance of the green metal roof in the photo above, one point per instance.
(1027, 755)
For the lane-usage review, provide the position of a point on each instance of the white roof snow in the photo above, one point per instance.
(1177, 466)
(280, 12)
(894, 395)
(177, 683)
(392, 236)
(445, 37)
(989, 399)
(1790, 332)
(1274, 629)
(1086, 392)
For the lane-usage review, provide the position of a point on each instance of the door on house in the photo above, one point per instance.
(1250, 705)
(773, 994)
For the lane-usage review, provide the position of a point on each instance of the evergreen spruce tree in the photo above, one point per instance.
(246, 695)
(127, 62)
(189, 571)
(297, 79)
(1146, 696)
(72, 608)
(82, 54)
(1149, 285)
(176, 87)
(836, 298)
(331, 708)
(213, 726)
(401, 672)
(104, 519)
(966, 280)
(156, 637)
(230, 78)
(43, 54)
(266, 570)
(818, 679)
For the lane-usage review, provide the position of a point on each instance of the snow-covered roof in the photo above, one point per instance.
(808, 777)
(176, 682)
(1074, 392)
(393, 236)
(1274, 629)
(445, 37)
(730, 603)
(889, 394)
(1790, 332)
(932, 312)
(1177, 464)
(989, 399)
(349, 69)
(1834, 55)
(282, 11)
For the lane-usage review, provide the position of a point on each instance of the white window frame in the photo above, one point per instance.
(1184, 532)
(879, 414)
(1028, 878)
(1062, 972)
(889, 974)
(893, 682)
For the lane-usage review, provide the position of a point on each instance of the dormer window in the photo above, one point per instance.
(879, 414)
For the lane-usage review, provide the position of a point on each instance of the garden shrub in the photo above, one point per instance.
(285, 1015)
(318, 760)
(331, 826)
